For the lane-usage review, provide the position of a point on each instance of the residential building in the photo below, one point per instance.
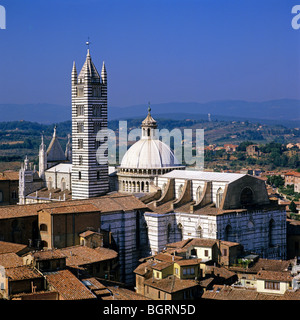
(9, 184)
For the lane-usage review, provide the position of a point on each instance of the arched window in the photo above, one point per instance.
(133, 186)
(229, 236)
(250, 224)
(138, 187)
(219, 197)
(199, 232)
(271, 233)
(147, 186)
(180, 190)
(180, 231)
(148, 132)
(43, 227)
(44, 244)
(198, 194)
(63, 184)
(50, 183)
(246, 197)
(169, 233)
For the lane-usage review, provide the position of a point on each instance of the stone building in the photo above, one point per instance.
(225, 206)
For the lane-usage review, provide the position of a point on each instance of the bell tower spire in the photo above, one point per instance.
(89, 116)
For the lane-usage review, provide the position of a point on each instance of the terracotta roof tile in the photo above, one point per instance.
(81, 255)
(6, 247)
(22, 273)
(68, 286)
(9, 260)
(274, 275)
(9, 175)
(171, 284)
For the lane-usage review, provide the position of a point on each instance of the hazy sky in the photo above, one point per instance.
(157, 50)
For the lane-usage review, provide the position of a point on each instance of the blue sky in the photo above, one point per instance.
(157, 50)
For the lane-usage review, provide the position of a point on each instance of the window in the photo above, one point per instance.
(176, 271)
(206, 253)
(271, 233)
(14, 195)
(199, 232)
(219, 197)
(80, 127)
(272, 285)
(79, 175)
(80, 110)
(50, 185)
(97, 126)
(80, 143)
(158, 294)
(180, 189)
(246, 197)
(198, 194)
(63, 184)
(97, 110)
(80, 91)
(97, 91)
(98, 175)
(224, 252)
(43, 227)
(1, 196)
(80, 161)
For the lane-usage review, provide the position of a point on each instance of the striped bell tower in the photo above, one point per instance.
(89, 122)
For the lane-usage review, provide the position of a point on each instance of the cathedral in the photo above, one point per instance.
(182, 203)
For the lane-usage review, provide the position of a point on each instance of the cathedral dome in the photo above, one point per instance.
(149, 154)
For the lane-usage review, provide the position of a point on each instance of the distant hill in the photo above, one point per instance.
(284, 111)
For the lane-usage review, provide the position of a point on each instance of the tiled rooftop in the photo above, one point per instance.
(22, 273)
(108, 203)
(68, 286)
(9, 260)
(170, 284)
(6, 247)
